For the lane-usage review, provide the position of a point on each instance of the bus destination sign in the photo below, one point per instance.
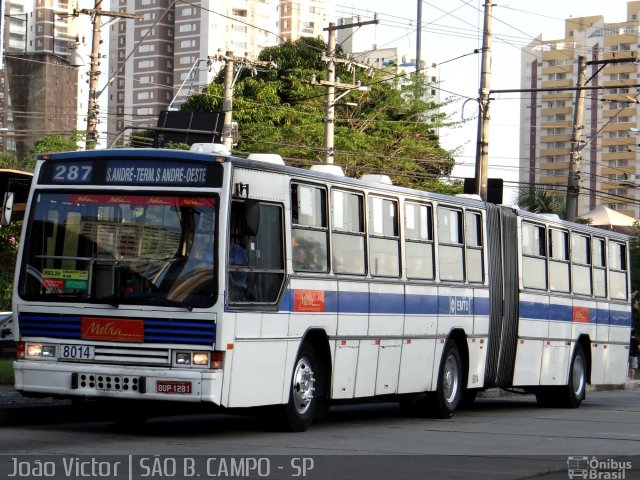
(157, 175)
(140, 172)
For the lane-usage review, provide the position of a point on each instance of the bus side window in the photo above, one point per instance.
(256, 263)
(419, 240)
(599, 268)
(581, 264)
(347, 232)
(473, 242)
(384, 241)
(534, 253)
(309, 231)
(618, 270)
(558, 260)
(450, 244)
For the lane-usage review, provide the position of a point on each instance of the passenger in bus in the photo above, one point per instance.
(200, 256)
(238, 280)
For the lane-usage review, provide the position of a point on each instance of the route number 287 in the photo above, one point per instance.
(72, 173)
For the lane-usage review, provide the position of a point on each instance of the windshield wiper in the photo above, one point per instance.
(155, 299)
(113, 300)
(170, 303)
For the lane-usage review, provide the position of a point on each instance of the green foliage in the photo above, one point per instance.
(10, 161)
(9, 242)
(538, 200)
(6, 372)
(53, 143)
(391, 130)
(177, 146)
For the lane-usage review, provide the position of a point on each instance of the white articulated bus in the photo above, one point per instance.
(200, 277)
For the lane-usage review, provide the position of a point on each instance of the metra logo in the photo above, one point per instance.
(97, 328)
(459, 305)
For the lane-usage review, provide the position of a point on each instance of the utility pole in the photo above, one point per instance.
(227, 101)
(482, 148)
(573, 187)
(419, 38)
(331, 84)
(576, 135)
(94, 72)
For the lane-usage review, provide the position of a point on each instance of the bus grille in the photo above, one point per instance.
(158, 330)
(131, 356)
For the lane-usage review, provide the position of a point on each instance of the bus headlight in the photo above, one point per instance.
(192, 359)
(201, 358)
(183, 358)
(38, 350)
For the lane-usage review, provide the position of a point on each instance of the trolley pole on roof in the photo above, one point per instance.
(482, 147)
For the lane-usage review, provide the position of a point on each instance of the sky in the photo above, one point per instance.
(453, 28)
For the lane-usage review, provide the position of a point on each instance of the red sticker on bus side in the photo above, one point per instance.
(308, 300)
(581, 314)
(99, 328)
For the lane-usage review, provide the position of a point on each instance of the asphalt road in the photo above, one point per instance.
(497, 438)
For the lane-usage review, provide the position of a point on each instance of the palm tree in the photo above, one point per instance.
(538, 200)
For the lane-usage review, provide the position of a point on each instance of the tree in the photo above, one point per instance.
(391, 129)
(53, 142)
(539, 200)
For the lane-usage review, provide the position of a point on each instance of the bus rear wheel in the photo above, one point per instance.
(303, 392)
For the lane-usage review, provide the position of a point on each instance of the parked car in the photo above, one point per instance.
(7, 341)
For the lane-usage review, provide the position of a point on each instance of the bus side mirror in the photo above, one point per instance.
(7, 208)
(251, 217)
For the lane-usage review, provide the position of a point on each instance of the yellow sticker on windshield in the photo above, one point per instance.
(65, 274)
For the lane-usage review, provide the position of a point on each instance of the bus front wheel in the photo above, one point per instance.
(444, 401)
(303, 392)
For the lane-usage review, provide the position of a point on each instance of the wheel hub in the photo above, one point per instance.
(303, 386)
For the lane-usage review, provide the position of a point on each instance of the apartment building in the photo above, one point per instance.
(43, 38)
(609, 172)
(156, 62)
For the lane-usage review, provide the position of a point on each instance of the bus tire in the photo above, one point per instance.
(304, 401)
(575, 391)
(445, 400)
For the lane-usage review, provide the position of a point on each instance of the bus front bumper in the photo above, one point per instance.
(117, 382)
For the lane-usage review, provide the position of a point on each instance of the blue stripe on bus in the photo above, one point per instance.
(561, 313)
(564, 313)
(168, 330)
(394, 303)
(620, 318)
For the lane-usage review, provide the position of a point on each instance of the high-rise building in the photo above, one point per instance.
(156, 62)
(609, 172)
(44, 37)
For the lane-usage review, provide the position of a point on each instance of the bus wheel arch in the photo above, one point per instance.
(585, 341)
(573, 393)
(452, 377)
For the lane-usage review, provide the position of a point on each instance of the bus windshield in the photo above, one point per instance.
(121, 249)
